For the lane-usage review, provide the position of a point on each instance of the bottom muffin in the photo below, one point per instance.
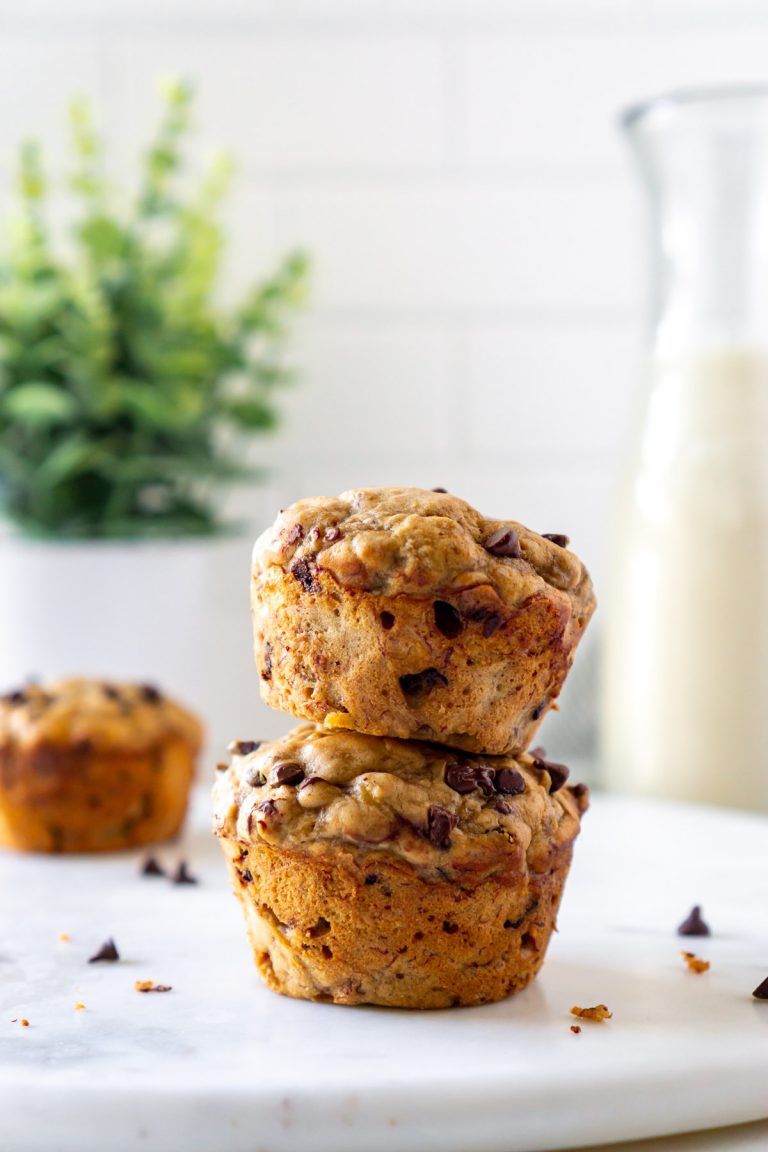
(380, 871)
(89, 766)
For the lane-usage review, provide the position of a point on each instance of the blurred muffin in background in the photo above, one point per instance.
(93, 766)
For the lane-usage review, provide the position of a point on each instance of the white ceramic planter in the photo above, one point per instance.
(174, 613)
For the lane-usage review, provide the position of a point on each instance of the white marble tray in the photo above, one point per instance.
(221, 1065)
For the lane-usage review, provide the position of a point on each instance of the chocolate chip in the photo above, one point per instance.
(558, 773)
(150, 694)
(254, 777)
(693, 925)
(514, 923)
(492, 624)
(289, 772)
(371, 878)
(503, 807)
(578, 791)
(465, 778)
(440, 824)
(267, 673)
(332, 533)
(267, 808)
(509, 781)
(416, 685)
(450, 928)
(294, 534)
(538, 711)
(445, 490)
(460, 777)
(150, 867)
(107, 952)
(387, 620)
(244, 747)
(182, 876)
(19, 696)
(304, 572)
(503, 542)
(447, 619)
(761, 992)
(110, 691)
(557, 538)
(246, 876)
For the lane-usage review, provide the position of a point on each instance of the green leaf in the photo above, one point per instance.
(38, 404)
(251, 413)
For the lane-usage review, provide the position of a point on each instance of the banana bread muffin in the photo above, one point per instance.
(378, 871)
(402, 612)
(88, 766)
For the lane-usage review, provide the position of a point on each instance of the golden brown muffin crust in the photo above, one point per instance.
(94, 713)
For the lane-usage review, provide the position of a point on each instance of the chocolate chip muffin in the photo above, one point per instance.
(401, 612)
(379, 871)
(88, 766)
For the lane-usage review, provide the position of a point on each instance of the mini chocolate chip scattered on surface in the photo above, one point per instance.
(450, 928)
(509, 781)
(243, 747)
(761, 992)
(110, 691)
(182, 875)
(694, 924)
(557, 538)
(371, 878)
(107, 952)
(440, 824)
(266, 674)
(150, 867)
(289, 772)
(444, 490)
(150, 986)
(578, 791)
(419, 684)
(502, 807)
(504, 542)
(150, 693)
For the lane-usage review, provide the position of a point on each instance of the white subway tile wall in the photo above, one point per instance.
(455, 170)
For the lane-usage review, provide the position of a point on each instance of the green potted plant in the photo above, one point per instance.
(128, 398)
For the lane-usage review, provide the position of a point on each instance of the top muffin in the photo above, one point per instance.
(403, 612)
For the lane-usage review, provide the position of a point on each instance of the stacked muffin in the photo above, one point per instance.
(403, 849)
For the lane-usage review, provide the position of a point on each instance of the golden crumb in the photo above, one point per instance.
(150, 986)
(695, 963)
(598, 1013)
(64, 937)
(79, 1007)
(575, 1028)
(24, 1022)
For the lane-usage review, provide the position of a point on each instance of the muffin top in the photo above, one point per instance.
(414, 542)
(93, 713)
(445, 812)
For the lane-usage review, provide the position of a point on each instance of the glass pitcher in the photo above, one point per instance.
(685, 687)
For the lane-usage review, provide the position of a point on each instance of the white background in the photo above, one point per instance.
(454, 167)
